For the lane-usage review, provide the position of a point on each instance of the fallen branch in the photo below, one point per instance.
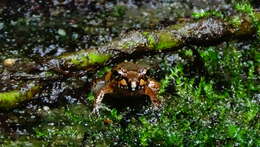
(209, 31)
(205, 31)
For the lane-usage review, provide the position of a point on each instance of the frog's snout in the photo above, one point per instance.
(133, 85)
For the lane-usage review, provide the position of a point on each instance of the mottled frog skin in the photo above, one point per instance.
(126, 79)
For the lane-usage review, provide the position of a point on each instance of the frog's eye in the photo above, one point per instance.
(142, 82)
(123, 82)
(142, 71)
(149, 73)
(115, 74)
(123, 70)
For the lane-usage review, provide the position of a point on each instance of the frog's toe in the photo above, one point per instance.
(95, 111)
(157, 106)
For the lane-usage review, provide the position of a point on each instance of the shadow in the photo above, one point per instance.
(126, 103)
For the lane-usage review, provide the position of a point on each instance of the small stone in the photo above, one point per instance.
(1, 26)
(62, 32)
(9, 62)
(46, 108)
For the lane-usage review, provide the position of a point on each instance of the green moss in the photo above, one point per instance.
(166, 40)
(251, 114)
(247, 8)
(151, 39)
(103, 71)
(203, 14)
(97, 58)
(257, 20)
(77, 58)
(12, 98)
(169, 78)
(235, 21)
(188, 52)
(244, 7)
(90, 97)
(118, 11)
(9, 98)
(83, 59)
(115, 115)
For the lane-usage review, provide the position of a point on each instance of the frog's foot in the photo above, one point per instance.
(156, 106)
(99, 98)
(97, 108)
(95, 111)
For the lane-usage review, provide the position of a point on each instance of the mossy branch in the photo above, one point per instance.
(204, 31)
(12, 98)
(84, 58)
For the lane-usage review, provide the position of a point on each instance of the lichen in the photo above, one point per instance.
(128, 44)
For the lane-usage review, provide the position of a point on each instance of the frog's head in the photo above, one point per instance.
(131, 76)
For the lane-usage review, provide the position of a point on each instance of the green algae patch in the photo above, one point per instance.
(12, 98)
(203, 14)
(78, 59)
(246, 8)
(166, 40)
(245, 27)
(84, 59)
(235, 21)
(151, 39)
(97, 58)
(9, 98)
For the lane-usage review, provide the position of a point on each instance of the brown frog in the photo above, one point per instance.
(126, 79)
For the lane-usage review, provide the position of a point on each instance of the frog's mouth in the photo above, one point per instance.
(121, 102)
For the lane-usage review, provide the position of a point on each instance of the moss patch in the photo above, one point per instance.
(151, 39)
(166, 40)
(203, 14)
(12, 98)
(83, 59)
(97, 58)
(9, 98)
(235, 21)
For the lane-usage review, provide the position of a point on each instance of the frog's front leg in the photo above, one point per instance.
(99, 97)
(151, 90)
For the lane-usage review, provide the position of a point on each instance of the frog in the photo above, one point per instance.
(126, 79)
